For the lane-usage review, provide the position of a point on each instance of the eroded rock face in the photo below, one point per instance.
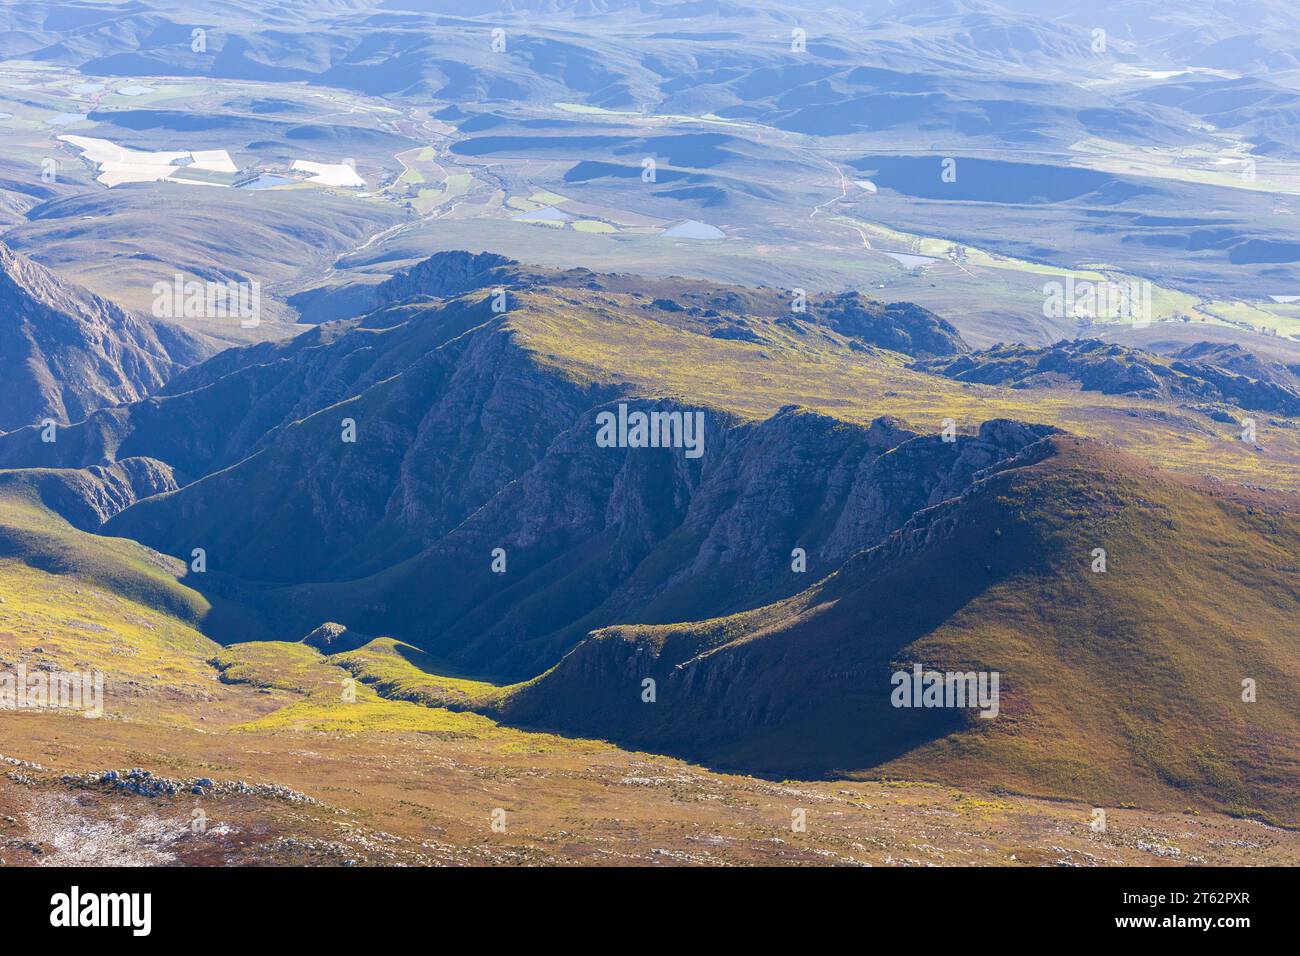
(724, 681)
(921, 472)
(89, 497)
(65, 352)
(594, 536)
(445, 274)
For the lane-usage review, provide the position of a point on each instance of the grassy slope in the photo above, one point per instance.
(33, 535)
(334, 695)
(83, 603)
(332, 701)
(598, 340)
(86, 603)
(399, 671)
(1128, 684)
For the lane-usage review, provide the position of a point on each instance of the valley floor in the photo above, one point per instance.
(298, 764)
(267, 753)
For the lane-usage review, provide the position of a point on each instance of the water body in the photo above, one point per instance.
(691, 229)
(135, 90)
(65, 119)
(268, 181)
(982, 180)
(548, 214)
(908, 259)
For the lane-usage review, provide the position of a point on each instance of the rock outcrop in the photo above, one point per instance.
(899, 326)
(1202, 373)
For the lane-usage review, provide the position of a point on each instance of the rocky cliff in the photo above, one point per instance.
(65, 352)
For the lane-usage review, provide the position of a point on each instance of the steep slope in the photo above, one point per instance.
(368, 471)
(35, 537)
(65, 352)
(1116, 687)
(595, 536)
(742, 350)
(478, 446)
(217, 413)
(88, 497)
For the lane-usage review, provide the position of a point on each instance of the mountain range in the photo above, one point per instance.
(668, 431)
(429, 471)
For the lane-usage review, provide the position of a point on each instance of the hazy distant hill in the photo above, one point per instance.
(875, 65)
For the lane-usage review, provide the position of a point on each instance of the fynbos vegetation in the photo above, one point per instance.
(648, 433)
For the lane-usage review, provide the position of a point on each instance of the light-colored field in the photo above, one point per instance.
(118, 165)
(1281, 319)
(1232, 166)
(329, 174)
(424, 182)
(960, 262)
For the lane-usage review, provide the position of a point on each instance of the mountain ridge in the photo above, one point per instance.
(977, 584)
(65, 352)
